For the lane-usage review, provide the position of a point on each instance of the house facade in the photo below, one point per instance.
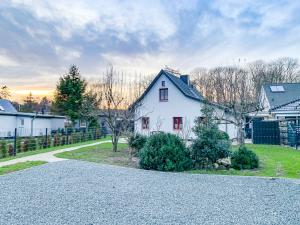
(171, 104)
(280, 101)
(27, 124)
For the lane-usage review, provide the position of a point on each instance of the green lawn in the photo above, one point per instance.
(101, 154)
(23, 154)
(275, 161)
(19, 166)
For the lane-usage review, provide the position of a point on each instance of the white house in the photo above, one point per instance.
(27, 124)
(171, 104)
(280, 101)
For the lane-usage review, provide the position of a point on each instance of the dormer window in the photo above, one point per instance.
(163, 83)
(163, 94)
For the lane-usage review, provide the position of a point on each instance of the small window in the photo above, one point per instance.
(22, 122)
(145, 123)
(1, 108)
(177, 123)
(163, 83)
(163, 94)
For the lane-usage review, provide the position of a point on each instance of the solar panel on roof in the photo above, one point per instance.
(277, 88)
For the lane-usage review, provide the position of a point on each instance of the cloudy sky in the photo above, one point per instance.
(39, 40)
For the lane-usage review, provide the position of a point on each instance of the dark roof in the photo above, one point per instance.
(290, 94)
(188, 90)
(6, 106)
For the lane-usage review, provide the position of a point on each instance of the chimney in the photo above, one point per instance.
(185, 79)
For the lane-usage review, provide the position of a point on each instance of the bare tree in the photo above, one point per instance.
(4, 92)
(118, 95)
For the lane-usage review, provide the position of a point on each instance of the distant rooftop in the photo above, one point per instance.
(280, 94)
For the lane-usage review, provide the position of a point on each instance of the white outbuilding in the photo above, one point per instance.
(27, 124)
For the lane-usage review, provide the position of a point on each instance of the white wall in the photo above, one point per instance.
(9, 123)
(178, 105)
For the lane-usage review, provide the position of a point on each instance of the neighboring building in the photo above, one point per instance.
(280, 101)
(171, 104)
(27, 124)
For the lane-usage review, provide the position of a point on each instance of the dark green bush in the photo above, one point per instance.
(19, 144)
(40, 142)
(32, 144)
(136, 142)
(3, 147)
(244, 159)
(165, 152)
(207, 151)
(211, 144)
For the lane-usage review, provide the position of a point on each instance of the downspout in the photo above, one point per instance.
(31, 132)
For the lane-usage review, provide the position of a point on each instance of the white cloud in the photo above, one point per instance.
(67, 53)
(123, 17)
(6, 61)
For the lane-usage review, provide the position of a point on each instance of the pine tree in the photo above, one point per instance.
(30, 105)
(69, 94)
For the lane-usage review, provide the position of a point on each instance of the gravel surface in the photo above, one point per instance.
(76, 192)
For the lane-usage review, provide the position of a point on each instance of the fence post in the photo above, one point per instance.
(296, 133)
(67, 133)
(15, 143)
(46, 137)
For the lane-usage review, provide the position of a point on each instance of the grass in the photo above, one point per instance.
(19, 166)
(275, 161)
(28, 153)
(101, 154)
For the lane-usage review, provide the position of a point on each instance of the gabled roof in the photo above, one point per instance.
(6, 106)
(277, 99)
(188, 90)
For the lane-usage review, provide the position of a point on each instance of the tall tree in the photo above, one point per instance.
(69, 94)
(30, 104)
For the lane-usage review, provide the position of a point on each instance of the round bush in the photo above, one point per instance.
(208, 149)
(137, 142)
(165, 152)
(244, 159)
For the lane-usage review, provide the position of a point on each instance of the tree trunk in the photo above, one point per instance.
(241, 138)
(114, 141)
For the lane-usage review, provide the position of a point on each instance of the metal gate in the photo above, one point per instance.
(266, 132)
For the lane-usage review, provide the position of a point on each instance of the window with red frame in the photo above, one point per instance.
(145, 123)
(177, 123)
(163, 94)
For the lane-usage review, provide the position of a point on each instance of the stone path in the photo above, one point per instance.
(48, 156)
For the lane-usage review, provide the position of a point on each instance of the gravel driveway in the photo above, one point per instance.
(75, 192)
